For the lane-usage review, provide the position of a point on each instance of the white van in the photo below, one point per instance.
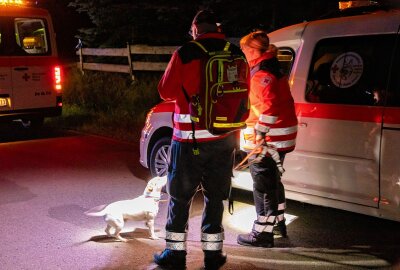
(344, 78)
(30, 74)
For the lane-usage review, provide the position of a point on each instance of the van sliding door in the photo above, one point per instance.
(32, 66)
(340, 121)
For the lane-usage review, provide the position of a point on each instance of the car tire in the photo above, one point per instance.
(159, 157)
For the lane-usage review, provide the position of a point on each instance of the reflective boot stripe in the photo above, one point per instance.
(174, 236)
(175, 245)
(264, 219)
(212, 241)
(281, 211)
(282, 206)
(280, 217)
(263, 228)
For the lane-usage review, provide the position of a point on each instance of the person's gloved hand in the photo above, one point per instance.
(259, 138)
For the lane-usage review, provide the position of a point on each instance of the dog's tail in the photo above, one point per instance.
(97, 211)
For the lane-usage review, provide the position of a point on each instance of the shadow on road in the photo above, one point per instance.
(14, 131)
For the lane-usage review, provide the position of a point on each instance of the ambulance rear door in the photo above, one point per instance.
(32, 65)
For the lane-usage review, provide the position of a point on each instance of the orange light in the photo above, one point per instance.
(11, 2)
(356, 3)
(57, 78)
(344, 5)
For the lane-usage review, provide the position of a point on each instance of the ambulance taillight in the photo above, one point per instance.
(57, 79)
(11, 2)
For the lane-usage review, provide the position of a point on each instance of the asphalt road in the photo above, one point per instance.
(49, 178)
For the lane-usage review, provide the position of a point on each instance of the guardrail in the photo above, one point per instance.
(125, 52)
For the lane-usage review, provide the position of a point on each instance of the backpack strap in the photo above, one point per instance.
(226, 47)
(196, 150)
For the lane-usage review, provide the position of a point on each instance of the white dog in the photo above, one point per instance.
(144, 207)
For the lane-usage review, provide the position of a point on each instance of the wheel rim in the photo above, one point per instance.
(161, 161)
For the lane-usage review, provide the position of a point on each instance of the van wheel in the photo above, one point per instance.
(36, 123)
(159, 157)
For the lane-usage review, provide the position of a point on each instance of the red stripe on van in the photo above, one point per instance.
(327, 111)
(34, 61)
(392, 116)
(28, 61)
(340, 112)
(4, 62)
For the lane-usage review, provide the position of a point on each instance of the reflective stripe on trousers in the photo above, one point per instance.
(175, 241)
(212, 242)
(264, 224)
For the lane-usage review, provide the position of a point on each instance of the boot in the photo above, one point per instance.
(256, 239)
(213, 260)
(171, 259)
(280, 228)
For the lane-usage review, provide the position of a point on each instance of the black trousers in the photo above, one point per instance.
(211, 170)
(268, 190)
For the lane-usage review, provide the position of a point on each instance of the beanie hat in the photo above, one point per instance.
(205, 16)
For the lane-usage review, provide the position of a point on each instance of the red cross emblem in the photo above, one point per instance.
(26, 77)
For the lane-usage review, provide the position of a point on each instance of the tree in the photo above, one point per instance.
(118, 22)
(166, 22)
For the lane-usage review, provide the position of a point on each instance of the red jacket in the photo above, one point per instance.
(272, 107)
(184, 70)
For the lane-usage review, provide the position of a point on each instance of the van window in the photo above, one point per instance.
(31, 35)
(285, 57)
(350, 70)
(393, 98)
(23, 36)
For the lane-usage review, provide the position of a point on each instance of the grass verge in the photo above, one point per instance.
(107, 104)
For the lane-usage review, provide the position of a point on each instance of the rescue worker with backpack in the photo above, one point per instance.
(208, 78)
(272, 123)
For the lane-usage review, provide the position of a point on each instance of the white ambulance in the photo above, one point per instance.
(30, 74)
(344, 78)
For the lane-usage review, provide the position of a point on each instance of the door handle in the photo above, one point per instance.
(21, 68)
(303, 124)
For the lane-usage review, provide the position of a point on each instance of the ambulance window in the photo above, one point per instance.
(285, 57)
(350, 70)
(31, 36)
(393, 97)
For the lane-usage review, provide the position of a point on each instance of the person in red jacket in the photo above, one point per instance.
(211, 169)
(272, 122)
